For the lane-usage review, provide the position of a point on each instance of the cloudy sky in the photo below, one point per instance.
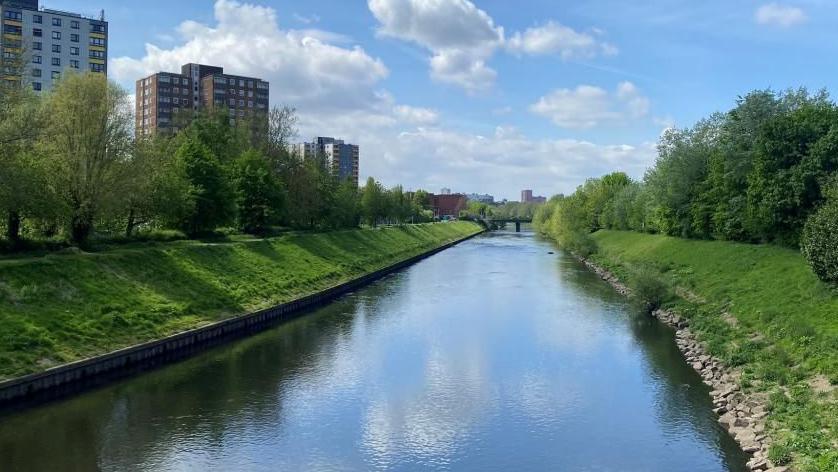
(487, 95)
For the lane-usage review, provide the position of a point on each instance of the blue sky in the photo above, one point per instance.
(487, 95)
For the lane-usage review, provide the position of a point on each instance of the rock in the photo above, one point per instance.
(757, 464)
(778, 469)
(727, 420)
(698, 365)
(720, 410)
(751, 448)
(741, 422)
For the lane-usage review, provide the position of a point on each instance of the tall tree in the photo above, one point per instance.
(87, 135)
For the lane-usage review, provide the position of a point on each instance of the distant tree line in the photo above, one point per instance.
(764, 172)
(71, 170)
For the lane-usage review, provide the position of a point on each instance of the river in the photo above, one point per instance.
(492, 355)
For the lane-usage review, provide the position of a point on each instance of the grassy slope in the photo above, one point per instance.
(62, 308)
(785, 332)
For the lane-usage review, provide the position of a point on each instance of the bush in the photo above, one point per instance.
(820, 241)
(780, 454)
(649, 290)
(578, 242)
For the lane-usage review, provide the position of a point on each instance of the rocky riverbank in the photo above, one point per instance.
(742, 414)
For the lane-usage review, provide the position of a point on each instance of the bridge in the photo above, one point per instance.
(498, 222)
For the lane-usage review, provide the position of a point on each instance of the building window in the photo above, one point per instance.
(36, 59)
(74, 38)
(13, 15)
(74, 51)
(74, 24)
(36, 86)
(97, 67)
(37, 19)
(176, 90)
(241, 103)
(36, 72)
(13, 30)
(56, 35)
(97, 42)
(56, 61)
(36, 46)
(232, 102)
(97, 29)
(56, 22)
(37, 32)
(101, 55)
(56, 48)
(176, 101)
(249, 104)
(74, 64)
(56, 75)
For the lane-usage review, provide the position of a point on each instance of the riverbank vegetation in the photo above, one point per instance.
(734, 227)
(72, 173)
(68, 306)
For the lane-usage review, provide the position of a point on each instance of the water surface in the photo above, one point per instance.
(492, 355)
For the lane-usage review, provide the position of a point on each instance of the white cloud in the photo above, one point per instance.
(588, 106)
(416, 115)
(305, 68)
(775, 14)
(460, 36)
(463, 38)
(555, 38)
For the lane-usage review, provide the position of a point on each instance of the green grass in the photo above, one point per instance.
(64, 307)
(781, 329)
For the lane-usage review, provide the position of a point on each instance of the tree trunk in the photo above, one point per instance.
(129, 226)
(13, 227)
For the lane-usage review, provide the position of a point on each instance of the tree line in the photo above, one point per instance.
(71, 170)
(766, 171)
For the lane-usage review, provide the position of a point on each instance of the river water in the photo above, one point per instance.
(492, 355)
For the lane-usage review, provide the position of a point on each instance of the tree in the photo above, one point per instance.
(259, 195)
(86, 137)
(23, 186)
(209, 189)
(373, 202)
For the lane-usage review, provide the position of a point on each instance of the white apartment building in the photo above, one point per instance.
(50, 42)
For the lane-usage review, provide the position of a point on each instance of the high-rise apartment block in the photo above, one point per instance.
(343, 159)
(166, 101)
(527, 197)
(42, 44)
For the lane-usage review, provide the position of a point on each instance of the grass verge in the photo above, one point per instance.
(65, 307)
(762, 310)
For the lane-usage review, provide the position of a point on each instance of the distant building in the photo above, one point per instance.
(448, 205)
(482, 198)
(343, 158)
(527, 197)
(445, 191)
(54, 42)
(166, 100)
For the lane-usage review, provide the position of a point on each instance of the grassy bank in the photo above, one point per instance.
(65, 307)
(759, 308)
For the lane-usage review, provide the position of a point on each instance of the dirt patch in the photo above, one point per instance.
(820, 384)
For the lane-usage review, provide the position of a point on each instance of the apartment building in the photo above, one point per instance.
(49, 43)
(167, 101)
(343, 159)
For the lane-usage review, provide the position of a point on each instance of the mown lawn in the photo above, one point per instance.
(759, 308)
(64, 307)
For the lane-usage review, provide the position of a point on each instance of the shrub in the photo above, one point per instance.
(820, 241)
(578, 242)
(649, 290)
(780, 454)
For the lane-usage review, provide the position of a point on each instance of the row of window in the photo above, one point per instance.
(56, 48)
(39, 19)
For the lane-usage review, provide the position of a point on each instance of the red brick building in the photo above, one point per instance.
(448, 205)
